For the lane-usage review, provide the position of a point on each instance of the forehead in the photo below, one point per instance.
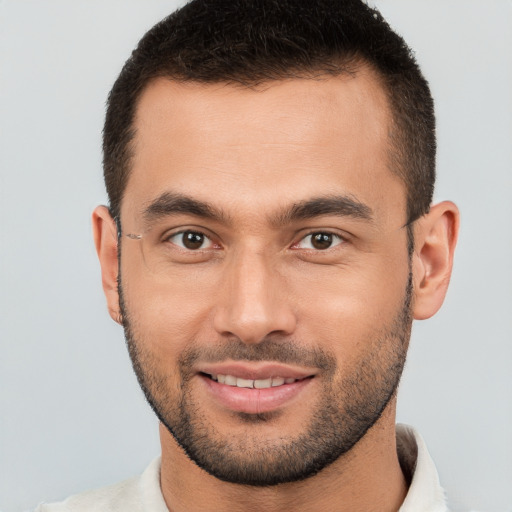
(261, 147)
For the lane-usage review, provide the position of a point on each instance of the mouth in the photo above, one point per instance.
(239, 382)
(255, 389)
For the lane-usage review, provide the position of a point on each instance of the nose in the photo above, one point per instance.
(253, 302)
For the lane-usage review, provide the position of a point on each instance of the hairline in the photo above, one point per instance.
(349, 66)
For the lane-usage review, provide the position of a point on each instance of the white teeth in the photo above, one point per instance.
(244, 383)
(262, 383)
(231, 380)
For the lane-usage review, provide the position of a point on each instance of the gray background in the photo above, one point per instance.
(72, 415)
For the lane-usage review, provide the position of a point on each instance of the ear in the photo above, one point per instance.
(435, 237)
(105, 238)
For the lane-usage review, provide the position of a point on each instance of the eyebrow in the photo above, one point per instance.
(170, 203)
(337, 205)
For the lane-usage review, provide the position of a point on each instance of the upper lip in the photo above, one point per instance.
(257, 371)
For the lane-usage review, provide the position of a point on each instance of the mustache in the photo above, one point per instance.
(281, 351)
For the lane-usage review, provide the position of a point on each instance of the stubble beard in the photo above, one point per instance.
(349, 405)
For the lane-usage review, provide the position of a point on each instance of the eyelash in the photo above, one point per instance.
(336, 240)
(193, 232)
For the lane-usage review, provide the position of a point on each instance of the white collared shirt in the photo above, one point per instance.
(425, 492)
(143, 493)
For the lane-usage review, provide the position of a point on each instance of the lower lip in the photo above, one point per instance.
(255, 401)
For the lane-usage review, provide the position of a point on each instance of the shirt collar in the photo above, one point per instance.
(425, 492)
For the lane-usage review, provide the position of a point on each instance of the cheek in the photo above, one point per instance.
(343, 309)
(167, 312)
(337, 307)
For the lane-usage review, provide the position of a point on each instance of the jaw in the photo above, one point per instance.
(351, 483)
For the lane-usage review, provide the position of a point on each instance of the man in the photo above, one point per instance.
(270, 237)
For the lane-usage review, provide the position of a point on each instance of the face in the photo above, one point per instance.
(265, 277)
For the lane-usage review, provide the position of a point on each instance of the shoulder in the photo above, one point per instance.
(132, 495)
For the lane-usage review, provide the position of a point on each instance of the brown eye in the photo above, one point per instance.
(321, 240)
(191, 240)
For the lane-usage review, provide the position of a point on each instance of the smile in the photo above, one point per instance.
(255, 389)
(271, 382)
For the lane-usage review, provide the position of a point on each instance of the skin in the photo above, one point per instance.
(253, 153)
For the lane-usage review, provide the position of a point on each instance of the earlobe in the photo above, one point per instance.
(435, 237)
(105, 240)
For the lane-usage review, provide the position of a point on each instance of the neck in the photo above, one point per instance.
(366, 478)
